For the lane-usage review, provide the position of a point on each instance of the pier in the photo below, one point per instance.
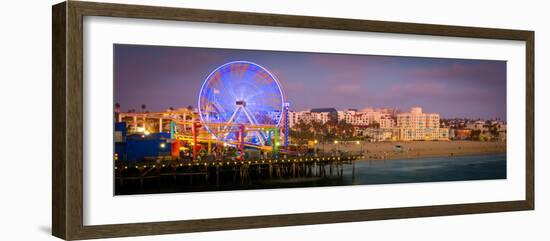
(215, 175)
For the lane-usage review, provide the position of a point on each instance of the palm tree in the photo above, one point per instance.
(374, 124)
(143, 107)
(117, 112)
(301, 132)
(317, 126)
(346, 130)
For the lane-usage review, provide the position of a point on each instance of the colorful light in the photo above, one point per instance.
(241, 92)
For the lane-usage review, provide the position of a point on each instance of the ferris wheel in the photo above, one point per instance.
(240, 93)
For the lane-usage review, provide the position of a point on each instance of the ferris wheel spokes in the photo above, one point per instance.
(241, 107)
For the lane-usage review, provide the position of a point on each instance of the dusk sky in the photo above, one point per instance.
(163, 77)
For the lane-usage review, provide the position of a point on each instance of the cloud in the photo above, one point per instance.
(480, 74)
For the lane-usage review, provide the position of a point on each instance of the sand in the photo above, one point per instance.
(418, 149)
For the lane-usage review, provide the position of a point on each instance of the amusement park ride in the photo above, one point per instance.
(241, 104)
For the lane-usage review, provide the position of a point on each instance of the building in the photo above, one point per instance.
(374, 134)
(141, 122)
(386, 121)
(332, 112)
(321, 115)
(501, 129)
(295, 117)
(366, 117)
(136, 147)
(390, 111)
(488, 130)
(462, 134)
(416, 125)
(478, 126)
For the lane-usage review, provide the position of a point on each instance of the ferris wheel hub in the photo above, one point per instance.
(241, 103)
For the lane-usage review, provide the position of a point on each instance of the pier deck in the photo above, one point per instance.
(213, 175)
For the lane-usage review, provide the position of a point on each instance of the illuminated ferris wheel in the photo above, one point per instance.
(240, 93)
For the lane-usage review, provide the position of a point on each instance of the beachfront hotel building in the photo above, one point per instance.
(416, 125)
(366, 117)
(376, 134)
(351, 116)
(294, 117)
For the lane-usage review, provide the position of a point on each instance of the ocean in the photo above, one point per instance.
(433, 169)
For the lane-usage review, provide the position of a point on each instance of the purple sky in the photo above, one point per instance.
(161, 77)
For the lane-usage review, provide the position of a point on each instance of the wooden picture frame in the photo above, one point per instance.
(67, 76)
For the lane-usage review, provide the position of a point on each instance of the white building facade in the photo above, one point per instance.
(366, 117)
(416, 125)
(294, 117)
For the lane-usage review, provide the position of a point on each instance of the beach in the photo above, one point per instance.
(417, 149)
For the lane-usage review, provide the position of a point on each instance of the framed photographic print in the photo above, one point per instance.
(170, 120)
